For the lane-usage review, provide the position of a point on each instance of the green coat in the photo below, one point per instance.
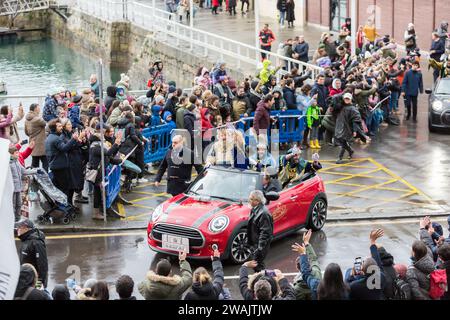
(302, 291)
(156, 287)
(313, 116)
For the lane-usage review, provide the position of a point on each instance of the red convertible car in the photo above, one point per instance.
(214, 211)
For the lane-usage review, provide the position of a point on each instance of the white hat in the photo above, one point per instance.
(315, 157)
(348, 96)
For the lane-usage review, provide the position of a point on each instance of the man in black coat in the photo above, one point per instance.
(259, 228)
(178, 163)
(436, 51)
(33, 249)
(321, 92)
(57, 149)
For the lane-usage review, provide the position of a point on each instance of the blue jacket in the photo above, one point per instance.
(56, 150)
(439, 47)
(289, 97)
(359, 289)
(412, 83)
(49, 111)
(303, 50)
(311, 281)
(74, 116)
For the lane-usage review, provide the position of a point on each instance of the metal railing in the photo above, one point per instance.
(12, 7)
(199, 42)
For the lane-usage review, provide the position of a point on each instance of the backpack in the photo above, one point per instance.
(438, 284)
(402, 289)
(393, 120)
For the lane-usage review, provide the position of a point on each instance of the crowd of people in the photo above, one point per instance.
(346, 103)
(379, 276)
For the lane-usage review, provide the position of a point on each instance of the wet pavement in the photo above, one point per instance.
(109, 255)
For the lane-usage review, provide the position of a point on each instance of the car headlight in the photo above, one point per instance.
(157, 213)
(219, 224)
(437, 105)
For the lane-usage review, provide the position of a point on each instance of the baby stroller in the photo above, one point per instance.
(55, 206)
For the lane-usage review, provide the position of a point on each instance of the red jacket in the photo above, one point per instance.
(206, 124)
(262, 117)
(334, 92)
(24, 154)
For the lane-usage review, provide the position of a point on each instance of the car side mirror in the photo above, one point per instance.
(272, 196)
(428, 91)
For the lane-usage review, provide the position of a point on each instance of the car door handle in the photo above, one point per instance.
(294, 197)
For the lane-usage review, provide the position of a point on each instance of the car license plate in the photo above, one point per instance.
(175, 243)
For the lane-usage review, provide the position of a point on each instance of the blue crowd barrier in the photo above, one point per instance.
(290, 126)
(112, 187)
(159, 141)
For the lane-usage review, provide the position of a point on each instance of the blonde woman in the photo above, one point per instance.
(205, 287)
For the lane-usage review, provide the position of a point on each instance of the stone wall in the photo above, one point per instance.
(30, 20)
(91, 36)
(179, 64)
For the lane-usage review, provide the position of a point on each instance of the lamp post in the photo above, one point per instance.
(354, 26)
(256, 7)
(100, 85)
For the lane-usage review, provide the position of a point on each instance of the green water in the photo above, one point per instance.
(35, 68)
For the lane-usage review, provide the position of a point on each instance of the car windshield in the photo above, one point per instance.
(220, 184)
(443, 87)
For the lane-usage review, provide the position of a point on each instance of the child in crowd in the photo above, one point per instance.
(313, 122)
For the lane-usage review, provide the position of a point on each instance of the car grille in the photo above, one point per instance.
(446, 118)
(195, 237)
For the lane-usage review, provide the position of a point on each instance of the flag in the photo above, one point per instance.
(9, 262)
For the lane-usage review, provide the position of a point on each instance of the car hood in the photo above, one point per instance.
(191, 212)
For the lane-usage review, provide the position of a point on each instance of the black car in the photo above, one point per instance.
(439, 105)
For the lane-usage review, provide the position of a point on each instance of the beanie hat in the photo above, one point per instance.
(172, 89)
(159, 99)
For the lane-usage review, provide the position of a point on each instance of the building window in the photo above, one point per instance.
(338, 12)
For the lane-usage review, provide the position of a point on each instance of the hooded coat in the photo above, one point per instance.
(156, 287)
(25, 286)
(417, 276)
(35, 130)
(387, 260)
(33, 251)
(262, 117)
(111, 92)
(209, 290)
(203, 80)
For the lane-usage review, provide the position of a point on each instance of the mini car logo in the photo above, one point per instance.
(279, 212)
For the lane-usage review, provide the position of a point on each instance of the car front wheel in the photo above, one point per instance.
(317, 214)
(239, 248)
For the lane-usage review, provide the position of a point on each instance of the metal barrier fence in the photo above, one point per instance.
(112, 184)
(243, 56)
(159, 141)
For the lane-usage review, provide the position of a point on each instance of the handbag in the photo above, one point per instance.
(91, 174)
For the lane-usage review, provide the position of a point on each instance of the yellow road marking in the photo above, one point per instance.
(381, 199)
(400, 179)
(141, 206)
(121, 210)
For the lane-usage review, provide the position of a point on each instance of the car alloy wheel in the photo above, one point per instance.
(240, 250)
(318, 214)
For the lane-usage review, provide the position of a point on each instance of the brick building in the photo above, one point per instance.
(391, 16)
